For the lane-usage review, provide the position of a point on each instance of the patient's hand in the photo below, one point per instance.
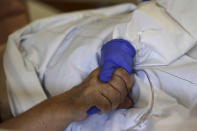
(56, 113)
(105, 96)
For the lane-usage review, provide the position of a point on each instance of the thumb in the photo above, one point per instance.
(106, 71)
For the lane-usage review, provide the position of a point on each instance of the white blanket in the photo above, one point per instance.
(51, 56)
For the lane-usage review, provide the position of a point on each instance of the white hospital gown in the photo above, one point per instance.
(53, 55)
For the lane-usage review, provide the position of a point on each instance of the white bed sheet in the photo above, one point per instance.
(52, 55)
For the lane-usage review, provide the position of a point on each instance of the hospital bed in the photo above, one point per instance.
(68, 45)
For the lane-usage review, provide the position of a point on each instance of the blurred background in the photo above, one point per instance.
(15, 14)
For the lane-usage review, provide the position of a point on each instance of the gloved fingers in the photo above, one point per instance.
(102, 103)
(106, 71)
(111, 94)
(125, 62)
(123, 74)
(126, 104)
(117, 83)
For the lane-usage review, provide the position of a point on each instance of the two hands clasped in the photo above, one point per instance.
(54, 114)
(105, 96)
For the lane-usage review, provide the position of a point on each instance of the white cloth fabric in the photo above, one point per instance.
(52, 55)
(30, 50)
(184, 12)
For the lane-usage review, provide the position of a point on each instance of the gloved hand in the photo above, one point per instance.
(114, 54)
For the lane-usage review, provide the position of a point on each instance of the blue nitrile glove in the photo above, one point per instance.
(114, 54)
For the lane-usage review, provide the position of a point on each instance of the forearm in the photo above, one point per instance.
(50, 115)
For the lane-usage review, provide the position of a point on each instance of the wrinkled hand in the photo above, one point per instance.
(57, 112)
(105, 96)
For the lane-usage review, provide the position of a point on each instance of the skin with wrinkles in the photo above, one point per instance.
(56, 113)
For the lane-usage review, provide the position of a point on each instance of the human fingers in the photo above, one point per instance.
(102, 103)
(118, 84)
(124, 75)
(111, 94)
(126, 104)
